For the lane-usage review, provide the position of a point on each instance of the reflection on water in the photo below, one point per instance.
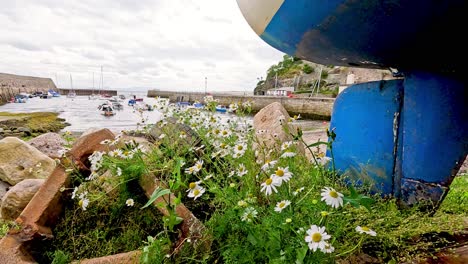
(83, 113)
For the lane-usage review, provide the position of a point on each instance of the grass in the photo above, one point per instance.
(38, 122)
(242, 220)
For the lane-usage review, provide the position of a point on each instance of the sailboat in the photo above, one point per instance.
(93, 96)
(71, 93)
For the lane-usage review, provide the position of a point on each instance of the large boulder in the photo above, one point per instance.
(16, 199)
(272, 128)
(19, 161)
(3, 188)
(51, 144)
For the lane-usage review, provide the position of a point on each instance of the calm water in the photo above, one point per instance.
(83, 113)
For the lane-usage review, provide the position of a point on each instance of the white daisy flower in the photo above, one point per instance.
(240, 148)
(241, 171)
(162, 136)
(231, 174)
(105, 142)
(332, 197)
(83, 203)
(183, 134)
(225, 133)
(190, 170)
(282, 175)
(74, 192)
(328, 248)
(316, 237)
(323, 161)
(249, 214)
(92, 176)
(96, 160)
(281, 205)
(296, 192)
(286, 145)
(268, 164)
(237, 155)
(269, 185)
(196, 192)
(129, 202)
(119, 171)
(366, 230)
(198, 166)
(288, 154)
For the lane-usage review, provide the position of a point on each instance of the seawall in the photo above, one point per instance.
(311, 108)
(11, 84)
(83, 92)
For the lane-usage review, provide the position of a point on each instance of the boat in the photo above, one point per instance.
(221, 108)
(106, 109)
(71, 93)
(404, 119)
(122, 97)
(53, 93)
(20, 98)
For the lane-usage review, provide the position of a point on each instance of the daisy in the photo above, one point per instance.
(286, 145)
(119, 171)
(241, 171)
(332, 197)
(242, 203)
(282, 175)
(183, 134)
(281, 205)
(288, 154)
(83, 203)
(105, 142)
(269, 185)
(162, 136)
(328, 248)
(366, 230)
(316, 237)
(74, 192)
(196, 192)
(240, 148)
(249, 214)
(190, 170)
(129, 202)
(323, 161)
(225, 133)
(198, 166)
(268, 164)
(296, 192)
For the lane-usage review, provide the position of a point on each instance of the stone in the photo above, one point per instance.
(146, 146)
(3, 189)
(87, 144)
(171, 125)
(271, 127)
(1, 130)
(19, 161)
(25, 130)
(12, 251)
(51, 144)
(16, 199)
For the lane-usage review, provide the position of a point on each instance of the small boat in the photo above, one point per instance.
(54, 93)
(71, 93)
(117, 105)
(93, 96)
(122, 97)
(221, 108)
(106, 109)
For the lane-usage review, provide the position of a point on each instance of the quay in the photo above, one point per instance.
(85, 92)
(308, 107)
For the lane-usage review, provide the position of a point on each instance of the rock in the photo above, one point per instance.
(19, 161)
(1, 130)
(87, 144)
(170, 125)
(51, 144)
(269, 125)
(25, 130)
(3, 188)
(16, 199)
(141, 141)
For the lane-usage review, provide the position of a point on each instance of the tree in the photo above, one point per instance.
(307, 69)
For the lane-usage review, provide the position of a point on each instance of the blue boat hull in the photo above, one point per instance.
(369, 34)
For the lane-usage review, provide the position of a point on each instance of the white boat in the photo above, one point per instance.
(71, 93)
(106, 109)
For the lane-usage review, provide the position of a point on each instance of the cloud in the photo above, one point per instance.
(147, 43)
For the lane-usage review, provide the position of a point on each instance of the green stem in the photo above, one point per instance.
(351, 250)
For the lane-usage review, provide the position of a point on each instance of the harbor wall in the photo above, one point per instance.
(85, 92)
(308, 107)
(11, 84)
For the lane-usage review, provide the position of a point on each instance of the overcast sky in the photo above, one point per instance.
(163, 44)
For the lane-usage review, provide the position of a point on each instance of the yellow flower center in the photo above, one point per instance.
(225, 132)
(365, 228)
(196, 192)
(268, 181)
(316, 237)
(192, 185)
(80, 203)
(282, 204)
(240, 147)
(199, 166)
(217, 131)
(280, 173)
(333, 194)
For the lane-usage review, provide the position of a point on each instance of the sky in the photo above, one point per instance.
(154, 44)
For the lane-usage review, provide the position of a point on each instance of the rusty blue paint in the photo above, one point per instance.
(363, 118)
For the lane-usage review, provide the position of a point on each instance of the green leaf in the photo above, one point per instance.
(357, 200)
(300, 254)
(252, 239)
(158, 192)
